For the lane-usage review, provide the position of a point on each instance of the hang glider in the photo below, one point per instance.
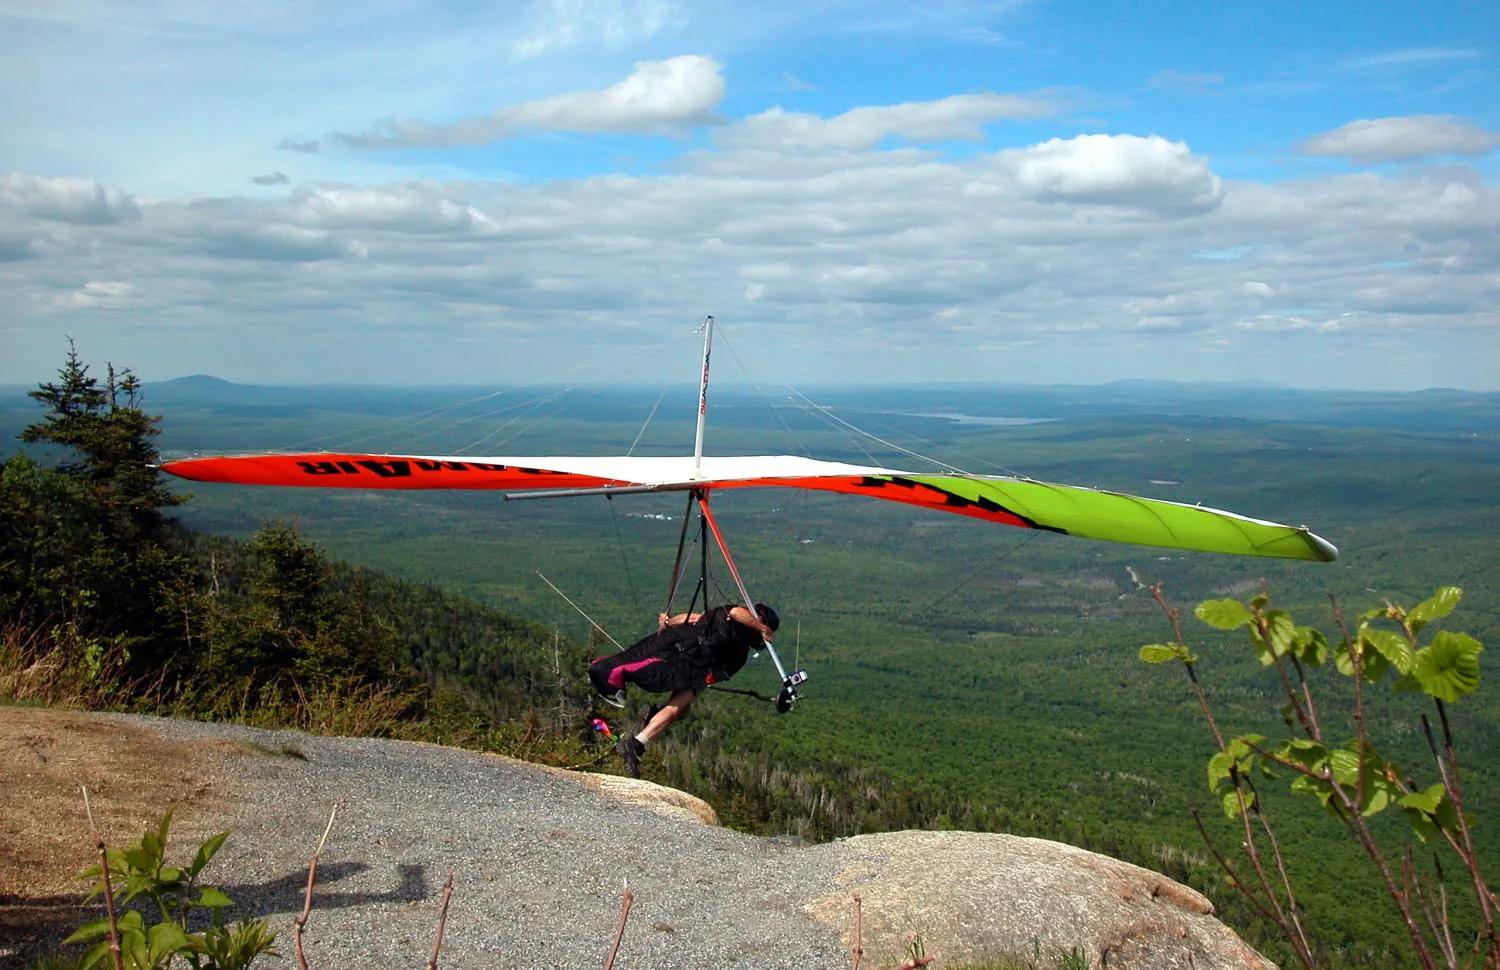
(1020, 502)
(1024, 503)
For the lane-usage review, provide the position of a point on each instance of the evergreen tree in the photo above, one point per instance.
(87, 545)
(112, 441)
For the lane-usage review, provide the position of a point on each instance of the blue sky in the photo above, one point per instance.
(418, 192)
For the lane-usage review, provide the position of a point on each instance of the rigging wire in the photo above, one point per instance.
(580, 610)
(418, 418)
(793, 528)
(645, 424)
(624, 559)
(996, 466)
(945, 466)
(636, 362)
(982, 567)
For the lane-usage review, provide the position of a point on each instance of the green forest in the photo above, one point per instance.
(962, 675)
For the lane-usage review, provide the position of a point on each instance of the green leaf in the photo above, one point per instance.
(205, 854)
(1231, 802)
(1427, 800)
(1429, 812)
(1311, 648)
(165, 939)
(97, 956)
(1448, 668)
(1343, 660)
(1380, 796)
(1309, 754)
(1225, 614)
(1421, 826)
(1406, 684)
(1218, 770)
(1435, 608)
(1390, 645)
(1303, 785)
(1155, 653)
(1283, 632)
(89, 930)
(212, 898)
(141, 857)
(1374, 663)
(1240, 748)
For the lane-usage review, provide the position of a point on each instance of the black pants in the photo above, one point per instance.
(665, 662)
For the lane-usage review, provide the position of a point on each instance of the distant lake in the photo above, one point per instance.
(958, 417)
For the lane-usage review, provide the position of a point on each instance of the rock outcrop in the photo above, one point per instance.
(539, 858)
(973, 897)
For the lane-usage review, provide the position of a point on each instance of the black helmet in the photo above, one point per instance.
(768, 616)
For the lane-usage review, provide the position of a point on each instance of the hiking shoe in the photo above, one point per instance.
(617, 699)
(630, 752)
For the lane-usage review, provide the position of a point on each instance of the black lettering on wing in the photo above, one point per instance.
(392, 468)
(324, 468)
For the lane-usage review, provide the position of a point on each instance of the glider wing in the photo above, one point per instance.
(1064, 509)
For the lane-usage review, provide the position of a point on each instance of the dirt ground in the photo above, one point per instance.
(46, 756)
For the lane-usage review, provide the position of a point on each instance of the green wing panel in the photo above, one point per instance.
(1116, 517)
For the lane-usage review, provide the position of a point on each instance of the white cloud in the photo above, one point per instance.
(1184, 83)
(72, 200)
(887, 258)
(1409, 57)
(657, 96)
(958, 117)
(93, 295)
(555, 25)
(1116, 169)
(562, 24)
(412, 208)
(1402, 139)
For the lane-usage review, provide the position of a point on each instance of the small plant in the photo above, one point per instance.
(140, 874)
(1348, 777)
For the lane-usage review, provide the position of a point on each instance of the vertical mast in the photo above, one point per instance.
(708, 343)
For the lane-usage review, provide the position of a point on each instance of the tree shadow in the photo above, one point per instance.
(32, 927)
(284, 894)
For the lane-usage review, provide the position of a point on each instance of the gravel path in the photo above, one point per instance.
(538, 863)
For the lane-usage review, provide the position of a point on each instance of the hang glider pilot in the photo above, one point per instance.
(687, 652)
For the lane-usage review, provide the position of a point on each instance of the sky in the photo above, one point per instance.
(1037, 191)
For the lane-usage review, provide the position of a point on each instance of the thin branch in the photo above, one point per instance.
(1234, 877)
(442, 922)
(1174, 616)
(1300, 941)
(625, 902)
(1436, 924)
(1270, 906)
(1288, 924)
(1309, 726)
(859, 933)
(312, 875)
(1450, 775)
(109, 894)
(1357, 658)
